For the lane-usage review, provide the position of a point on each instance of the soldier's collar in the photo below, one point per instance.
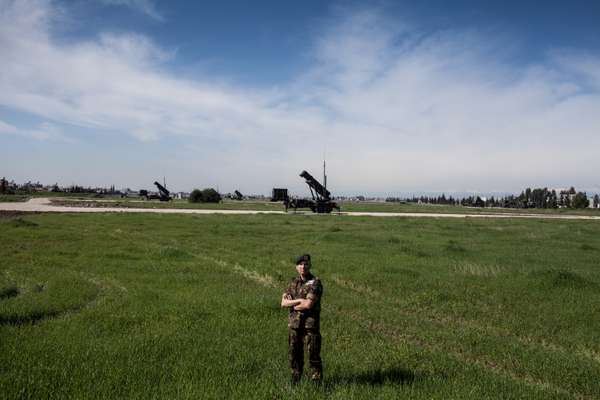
(308, 278)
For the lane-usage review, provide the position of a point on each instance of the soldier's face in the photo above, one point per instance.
(303, 268)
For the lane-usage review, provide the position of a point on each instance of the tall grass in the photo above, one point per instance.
(176, 306)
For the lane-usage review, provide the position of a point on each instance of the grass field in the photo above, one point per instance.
(187, 306)
(345, 206)
(4, 198)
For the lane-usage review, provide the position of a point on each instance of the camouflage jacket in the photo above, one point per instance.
(311, 289)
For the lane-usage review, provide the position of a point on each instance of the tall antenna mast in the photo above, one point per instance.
(324, 173)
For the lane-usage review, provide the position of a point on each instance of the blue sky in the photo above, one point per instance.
(401, 96)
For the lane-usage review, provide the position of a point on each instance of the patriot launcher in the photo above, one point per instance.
(163, 193)
(321, 197)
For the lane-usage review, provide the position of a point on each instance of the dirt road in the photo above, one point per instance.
(44, 205)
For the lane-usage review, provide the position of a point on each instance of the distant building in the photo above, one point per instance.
(181, 195)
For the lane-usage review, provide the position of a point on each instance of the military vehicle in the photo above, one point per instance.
(321, 202)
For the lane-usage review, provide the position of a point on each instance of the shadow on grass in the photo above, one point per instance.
(563, 279)
(36, 316)
(454, 247)
(27, 319)
(394, 376)
(8, 292)
(14, 217)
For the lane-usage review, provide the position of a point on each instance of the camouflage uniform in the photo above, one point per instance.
(304, 327)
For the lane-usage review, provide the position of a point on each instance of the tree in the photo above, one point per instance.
(553, 200)
(580, 200)
(479, 202)
(596, 201)
(527, 199)
(195, 196)
(209, 195)
(564, 198)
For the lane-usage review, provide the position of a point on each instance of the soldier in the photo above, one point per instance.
(303, 298)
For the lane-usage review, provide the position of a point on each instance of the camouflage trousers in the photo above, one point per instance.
(297, 338)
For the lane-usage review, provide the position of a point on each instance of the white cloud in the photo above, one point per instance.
(7, 128)
(44, 131)
(144, 6)
(397, 110)
(48, 131)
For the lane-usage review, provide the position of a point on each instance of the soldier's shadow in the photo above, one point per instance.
(394, 375)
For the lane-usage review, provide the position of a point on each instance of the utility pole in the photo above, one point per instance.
(324, 176)
(324, 173)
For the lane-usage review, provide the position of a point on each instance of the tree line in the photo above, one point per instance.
(529, 198)
(11, 187)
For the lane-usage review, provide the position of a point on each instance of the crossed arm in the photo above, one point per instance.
(298, 304)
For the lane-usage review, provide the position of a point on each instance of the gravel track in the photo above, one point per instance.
(44, 205)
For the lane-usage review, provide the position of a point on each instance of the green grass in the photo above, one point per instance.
(5, 198)
(186, 306)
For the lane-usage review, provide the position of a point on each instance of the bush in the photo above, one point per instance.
(195, 196)
(209, 195)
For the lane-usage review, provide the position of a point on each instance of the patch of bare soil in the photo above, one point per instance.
(12, 214)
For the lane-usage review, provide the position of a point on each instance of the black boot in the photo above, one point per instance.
(296, 377)
(316, 376)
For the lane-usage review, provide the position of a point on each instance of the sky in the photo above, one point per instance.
(398, 96)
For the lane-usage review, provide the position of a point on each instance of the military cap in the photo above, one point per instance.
(303, 258)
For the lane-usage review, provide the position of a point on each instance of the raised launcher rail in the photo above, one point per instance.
(321, 202)
(238, 195)
(164, 194)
